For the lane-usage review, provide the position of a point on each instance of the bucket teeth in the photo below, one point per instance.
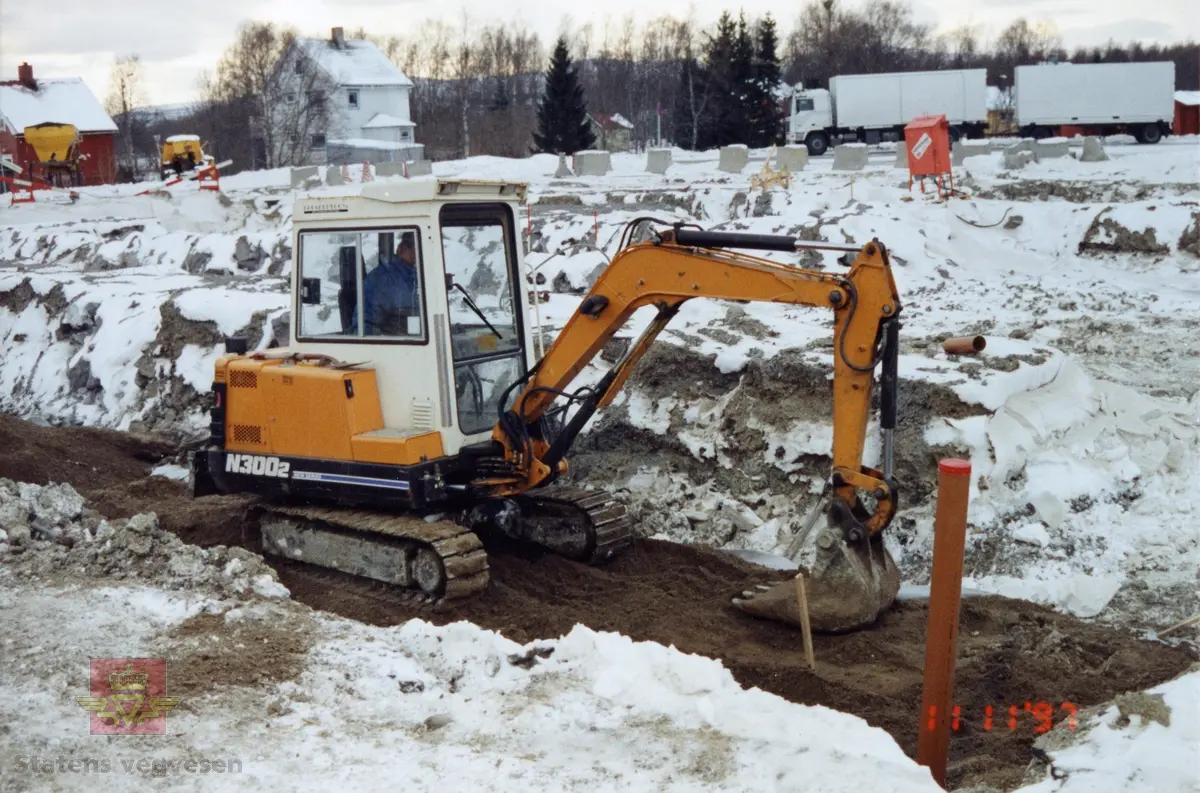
(847, 587)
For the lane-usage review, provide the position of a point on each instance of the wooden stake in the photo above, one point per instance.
(805, 625)
(1178, 625)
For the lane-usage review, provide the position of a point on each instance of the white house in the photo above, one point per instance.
(367, 102)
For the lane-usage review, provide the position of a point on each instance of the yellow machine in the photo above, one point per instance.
(57, 149)
(181, 153)
(409, 415)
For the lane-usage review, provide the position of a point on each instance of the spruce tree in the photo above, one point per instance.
(563, 126)
(768, 116)
(723, 122)
(744, 90)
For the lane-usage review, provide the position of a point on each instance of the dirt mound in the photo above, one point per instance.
(1012, 652)
(756, 422)
(1089, 192)
(1106, 235)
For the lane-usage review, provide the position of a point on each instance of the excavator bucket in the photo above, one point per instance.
(847, 585)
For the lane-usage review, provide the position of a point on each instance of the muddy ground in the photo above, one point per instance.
(1011, 652)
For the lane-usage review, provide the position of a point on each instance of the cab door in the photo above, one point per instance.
(485, 297)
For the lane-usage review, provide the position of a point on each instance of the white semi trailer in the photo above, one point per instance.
(1099, 98)
(874, 107)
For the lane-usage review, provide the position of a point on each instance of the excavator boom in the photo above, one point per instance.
(681, 264)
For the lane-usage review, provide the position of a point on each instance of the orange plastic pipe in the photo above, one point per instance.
(964, 345)
(945, 594)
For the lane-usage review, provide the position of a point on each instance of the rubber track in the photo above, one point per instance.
(461, 551)
(603, 517)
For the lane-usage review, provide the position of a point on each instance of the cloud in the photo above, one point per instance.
(1123, 32)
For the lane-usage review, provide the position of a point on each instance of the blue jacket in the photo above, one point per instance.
(389, 289)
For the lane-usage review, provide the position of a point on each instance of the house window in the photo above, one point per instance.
(404, 135)
(299, 66)
(318, 140)
(353, 95)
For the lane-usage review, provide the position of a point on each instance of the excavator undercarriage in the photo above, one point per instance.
(445, 559)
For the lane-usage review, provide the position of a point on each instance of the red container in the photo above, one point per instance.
(927, 139)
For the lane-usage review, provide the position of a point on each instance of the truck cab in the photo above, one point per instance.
(811, 117)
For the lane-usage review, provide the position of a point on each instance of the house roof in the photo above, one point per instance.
(357, 62)
(61, 100)
(609, 122)
(1187, 97)
(383, 121)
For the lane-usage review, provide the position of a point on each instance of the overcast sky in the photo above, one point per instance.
(81, 37)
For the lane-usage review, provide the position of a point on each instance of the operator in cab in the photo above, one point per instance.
(390, 291)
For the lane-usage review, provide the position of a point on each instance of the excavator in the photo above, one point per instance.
(408, 417)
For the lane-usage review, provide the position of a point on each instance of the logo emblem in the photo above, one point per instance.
(922, 145)
(128, 696)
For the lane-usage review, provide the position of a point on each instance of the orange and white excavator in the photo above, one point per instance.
(410, 392)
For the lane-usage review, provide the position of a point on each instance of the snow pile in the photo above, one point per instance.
(421, 703)
(117, 322)
(47, 530)
(1149, 740)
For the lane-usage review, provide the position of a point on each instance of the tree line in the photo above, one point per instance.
(478, 87)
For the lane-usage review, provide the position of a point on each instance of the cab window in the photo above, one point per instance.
(361, 284)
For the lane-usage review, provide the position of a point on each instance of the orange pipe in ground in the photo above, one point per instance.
(964, 345)
(945, 593)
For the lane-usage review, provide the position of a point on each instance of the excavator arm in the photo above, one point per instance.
(681, 264)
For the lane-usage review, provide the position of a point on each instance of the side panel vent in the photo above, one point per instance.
(422, 414)
(241, 379)
(247, 433)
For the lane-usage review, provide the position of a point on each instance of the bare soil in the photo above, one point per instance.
(1011, 652)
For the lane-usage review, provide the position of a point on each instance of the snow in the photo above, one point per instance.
(1081, 420)
(1135, 753)
(370, 143)
(359, 64)
(383, 120)
(1187, 97)
(183, 138)
(621, 121)
(229, 308)
(590, 710)
(63, 100)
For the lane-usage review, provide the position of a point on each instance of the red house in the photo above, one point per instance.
(1187, 113)
(26, 102)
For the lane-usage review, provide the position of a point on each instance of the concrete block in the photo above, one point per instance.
(302, 175)
(562, 171)
(592, 163)
(389, 169)
(964, 149)
(794, 158)
(734, 158)
(658, 160)
(420, 168)
(901, 157)
(1093, 151)
(1050, 148)
(333, 175)
(1016, 158)
(850, 157)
